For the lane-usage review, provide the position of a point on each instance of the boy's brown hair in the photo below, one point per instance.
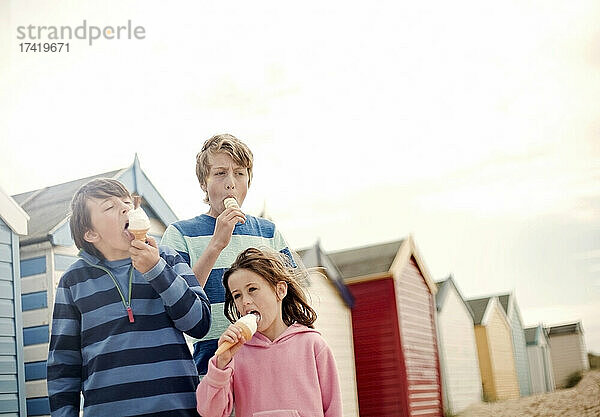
(226, 143)
(274, 267)
(81, 221)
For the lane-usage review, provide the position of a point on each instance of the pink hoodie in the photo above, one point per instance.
(293, 376)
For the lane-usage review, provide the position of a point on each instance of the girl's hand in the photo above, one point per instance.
(234, 336)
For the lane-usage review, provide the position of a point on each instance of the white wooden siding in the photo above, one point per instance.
(537, 367)
(520, 349)
(458, 354)
(334, 321)
(567, 357)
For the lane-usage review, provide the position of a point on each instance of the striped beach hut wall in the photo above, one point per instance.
(461, 377)
(332, 301)
(509, 304)
(568, 351)
(394, 331)
(48, 250)
(13, 224)
(494, 349)
(540, 361)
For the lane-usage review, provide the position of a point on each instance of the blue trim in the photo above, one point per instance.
(63, 262)
(35, 370)
(18, 326)
(7, 326)
(9, 403)
(5, 233)
(6, 271)
(7, 307)
(35, 335)
(8, 366)
(33, 266)
(34, 300)
(38, 406)
(146, 189)
(8, 345)
(5, 253)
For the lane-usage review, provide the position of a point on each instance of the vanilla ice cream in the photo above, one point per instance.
(230, 202)
(139, 223)
(247, 324)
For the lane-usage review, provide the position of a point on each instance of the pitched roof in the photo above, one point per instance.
(569, 328)
(316, 257)
(443, 288)
(12, 214)
(504, 300)
(48, 206)
(366, 260)
(478, 306)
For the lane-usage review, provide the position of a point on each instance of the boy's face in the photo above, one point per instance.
(225, 179)
(109, 232)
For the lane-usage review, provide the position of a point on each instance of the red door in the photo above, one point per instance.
(380, 369)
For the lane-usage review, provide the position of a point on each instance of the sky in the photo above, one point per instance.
(474, 127)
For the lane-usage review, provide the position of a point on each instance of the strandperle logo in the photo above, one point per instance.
(84, 31)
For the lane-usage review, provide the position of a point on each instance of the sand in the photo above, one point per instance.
(580, 401)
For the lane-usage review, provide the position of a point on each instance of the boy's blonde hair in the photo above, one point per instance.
(226, 143)
(80, 220)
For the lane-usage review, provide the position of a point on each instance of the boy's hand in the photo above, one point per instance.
(144, 256)
(224, 226)
(234, 336)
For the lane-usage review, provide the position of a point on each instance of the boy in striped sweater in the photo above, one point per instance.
(210, 242)
(119, 316)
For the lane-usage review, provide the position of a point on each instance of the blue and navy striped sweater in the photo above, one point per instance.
(126, 368)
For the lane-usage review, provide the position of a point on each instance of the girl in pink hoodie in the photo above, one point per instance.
(286, 369)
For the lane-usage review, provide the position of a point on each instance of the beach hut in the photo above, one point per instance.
(494, 349)
(48, 250)
(461, 378)
(509, 304)
(394, 332)
(540, 361)
(13, 225)
(332, 301)
(568, 351)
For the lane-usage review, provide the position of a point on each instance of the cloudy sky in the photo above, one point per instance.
(475, 127)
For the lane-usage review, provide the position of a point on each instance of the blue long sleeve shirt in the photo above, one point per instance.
(126, 364)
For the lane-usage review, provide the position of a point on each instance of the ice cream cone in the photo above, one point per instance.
(139, 234)
(230, 202)
(246, 331)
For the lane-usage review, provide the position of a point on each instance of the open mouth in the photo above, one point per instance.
(256, 313)
(127, 232)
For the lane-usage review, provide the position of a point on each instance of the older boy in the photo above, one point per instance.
(119, 314)
(211, 242)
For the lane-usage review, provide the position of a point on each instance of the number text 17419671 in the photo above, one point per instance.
(44, 47)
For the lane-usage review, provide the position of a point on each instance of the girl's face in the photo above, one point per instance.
(254, 294)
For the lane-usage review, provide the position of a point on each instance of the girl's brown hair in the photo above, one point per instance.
(273, 267)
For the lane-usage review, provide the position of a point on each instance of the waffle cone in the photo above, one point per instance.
(139, 234)
(223, 347)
